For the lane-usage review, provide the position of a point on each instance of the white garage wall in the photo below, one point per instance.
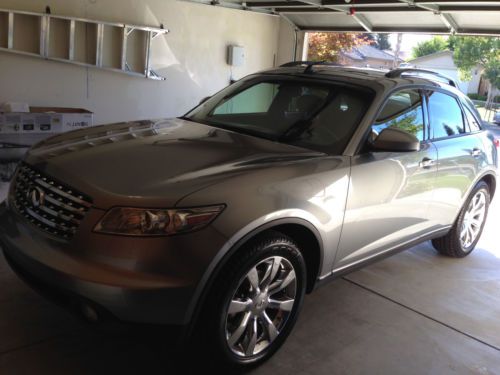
(192, 58)
(287, 41)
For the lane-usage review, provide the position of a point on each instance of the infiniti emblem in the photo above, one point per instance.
(37, 196)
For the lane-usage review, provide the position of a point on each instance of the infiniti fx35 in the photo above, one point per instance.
(221, 220)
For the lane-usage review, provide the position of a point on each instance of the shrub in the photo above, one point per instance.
(477, 97)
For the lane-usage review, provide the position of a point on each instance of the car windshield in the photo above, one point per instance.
(316, 115)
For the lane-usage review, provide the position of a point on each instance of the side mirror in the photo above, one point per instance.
(204, 100)
(397, 140)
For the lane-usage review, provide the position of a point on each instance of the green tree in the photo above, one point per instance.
(407, 123)
(471, 51)
(451, 42)
(383, 41)
(492, 73)
(436, 44)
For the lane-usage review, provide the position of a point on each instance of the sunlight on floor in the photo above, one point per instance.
(489, 239)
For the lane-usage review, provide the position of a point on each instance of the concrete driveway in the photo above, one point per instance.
(414, 313)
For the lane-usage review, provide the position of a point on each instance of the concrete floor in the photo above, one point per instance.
(414, 313)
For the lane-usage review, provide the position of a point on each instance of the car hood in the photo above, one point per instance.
(154, 163)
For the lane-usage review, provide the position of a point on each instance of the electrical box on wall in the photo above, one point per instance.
(235, 55)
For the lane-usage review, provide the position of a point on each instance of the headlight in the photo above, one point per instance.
(154, 222)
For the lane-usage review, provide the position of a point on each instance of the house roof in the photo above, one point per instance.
(403, 55)
(363, 52)
(430, 56)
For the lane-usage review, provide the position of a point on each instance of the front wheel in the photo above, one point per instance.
(256, 301)
(467, 230)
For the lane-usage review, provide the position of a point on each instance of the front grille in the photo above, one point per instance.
(48, 204)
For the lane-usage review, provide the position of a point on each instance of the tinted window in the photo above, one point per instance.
(471, 119)
(403, 110)
(256, 99)
(445, 115)
(332, 128)
(305, 113)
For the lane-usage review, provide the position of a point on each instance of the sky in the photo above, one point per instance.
(409, 40)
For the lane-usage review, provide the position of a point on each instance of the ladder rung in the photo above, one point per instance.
(71, 41)
(99, 44)
(10, 26)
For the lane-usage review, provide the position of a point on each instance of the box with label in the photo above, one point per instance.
(19, 130)
(58, 120)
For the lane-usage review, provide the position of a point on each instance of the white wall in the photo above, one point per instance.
(192, 58)
(286, 43)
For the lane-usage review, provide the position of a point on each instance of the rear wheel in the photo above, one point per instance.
(256, 301)
(467, 230)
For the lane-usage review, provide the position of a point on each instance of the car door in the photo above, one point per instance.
(460, 155)
(389, 192)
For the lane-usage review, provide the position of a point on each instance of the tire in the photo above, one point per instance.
(269, 261)
(454, 244)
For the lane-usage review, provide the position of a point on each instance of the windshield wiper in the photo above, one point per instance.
(233, 128)
(294, 131)
(186, 118)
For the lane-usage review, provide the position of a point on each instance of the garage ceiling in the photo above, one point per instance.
(423, 16)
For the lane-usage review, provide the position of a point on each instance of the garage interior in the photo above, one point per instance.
(414, 313)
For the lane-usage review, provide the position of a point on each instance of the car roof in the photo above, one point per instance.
(368, 77)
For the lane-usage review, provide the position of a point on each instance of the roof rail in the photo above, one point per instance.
(309, 64)
(396, 73)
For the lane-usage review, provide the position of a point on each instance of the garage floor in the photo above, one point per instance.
(414, 313)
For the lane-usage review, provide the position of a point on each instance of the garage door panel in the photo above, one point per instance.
(324, 20)
(404, 20)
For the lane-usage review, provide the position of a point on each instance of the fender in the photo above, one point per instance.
(488, 172)
(230, 248)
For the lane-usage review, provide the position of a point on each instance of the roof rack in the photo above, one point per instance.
(396, 73)
(309, 64)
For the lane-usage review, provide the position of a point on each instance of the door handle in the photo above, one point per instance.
(476, 152)
(426, 163)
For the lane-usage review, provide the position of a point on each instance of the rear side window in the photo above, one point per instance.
(403, 110)
(446, 117)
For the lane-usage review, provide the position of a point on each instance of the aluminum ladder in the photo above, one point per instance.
(80, 41)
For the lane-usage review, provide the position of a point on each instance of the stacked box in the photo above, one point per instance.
(19, 131)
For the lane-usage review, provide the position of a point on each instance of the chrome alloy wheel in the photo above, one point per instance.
(260, 307)
(473, 220)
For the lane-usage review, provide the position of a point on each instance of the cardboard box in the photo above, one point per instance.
(22, 130)
(45, 120)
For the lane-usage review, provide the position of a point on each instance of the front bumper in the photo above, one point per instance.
(140, 280)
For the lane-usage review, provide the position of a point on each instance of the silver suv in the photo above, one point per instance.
(220, 221)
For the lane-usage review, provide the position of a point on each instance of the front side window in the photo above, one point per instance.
(310, 114)
(403, 110)
(446, 117)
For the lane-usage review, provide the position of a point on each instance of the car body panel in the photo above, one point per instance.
(388, 202)
(312, 190)
(153, 163)
(457, 171)
(123, 275)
